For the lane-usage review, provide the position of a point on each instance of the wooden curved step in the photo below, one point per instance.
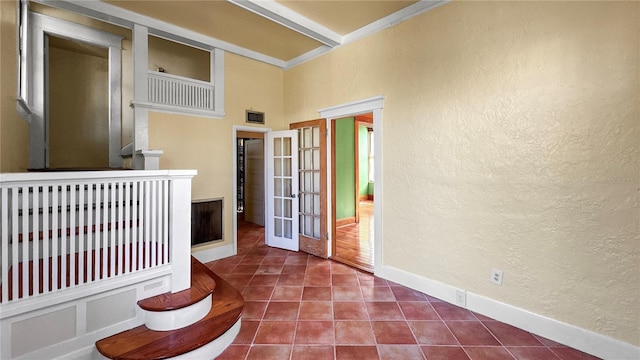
(202, 285)
(143, 343)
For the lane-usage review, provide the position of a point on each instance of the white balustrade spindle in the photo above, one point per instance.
(62, 230)
(178, 91)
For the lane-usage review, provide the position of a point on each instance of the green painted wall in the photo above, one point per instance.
(345, 168)
(363, 160)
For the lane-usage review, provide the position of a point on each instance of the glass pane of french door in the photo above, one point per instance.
(309, 178)
(312, 175)
(282, 187)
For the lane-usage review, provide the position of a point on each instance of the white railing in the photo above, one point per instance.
(175, 90)
(60, 230)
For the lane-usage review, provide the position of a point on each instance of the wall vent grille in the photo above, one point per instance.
(255, 117)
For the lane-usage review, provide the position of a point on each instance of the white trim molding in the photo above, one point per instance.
(39, 27)
(352, 108)
(170, 109)
(212, 252)
(284, 16)
(393, 19)
(234, 151)
(369, 105)
(578, 338)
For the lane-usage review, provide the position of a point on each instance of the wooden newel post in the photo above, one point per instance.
(180, 232)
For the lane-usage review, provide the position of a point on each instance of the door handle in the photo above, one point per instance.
(293, 196)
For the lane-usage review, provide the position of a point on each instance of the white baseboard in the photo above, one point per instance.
(86, 353)
(578, 338)
(213, 253)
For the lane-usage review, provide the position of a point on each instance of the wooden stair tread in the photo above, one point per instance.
(143, 343)
(202, 284)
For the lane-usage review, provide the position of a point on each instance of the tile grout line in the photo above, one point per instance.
(374, 297)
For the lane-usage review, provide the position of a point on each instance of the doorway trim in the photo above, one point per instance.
(370, 105)
(239, 129)
(40, 26)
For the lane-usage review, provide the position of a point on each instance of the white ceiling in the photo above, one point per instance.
(280, 32)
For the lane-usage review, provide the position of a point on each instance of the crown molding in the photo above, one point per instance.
(393, 19)
(370, 29)
(286, 17)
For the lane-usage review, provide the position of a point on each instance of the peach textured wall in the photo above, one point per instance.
(14, 131)
(206, 144)
(178, 59)
(510, 141)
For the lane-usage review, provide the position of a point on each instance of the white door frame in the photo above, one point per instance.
(370, 105)
(236, 129)
(41, 26)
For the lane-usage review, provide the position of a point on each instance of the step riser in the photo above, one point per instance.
(179, 318)
(175, 329)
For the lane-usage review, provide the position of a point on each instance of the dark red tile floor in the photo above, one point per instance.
(298, 306)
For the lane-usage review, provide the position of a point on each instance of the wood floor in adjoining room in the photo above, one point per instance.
(354, 242)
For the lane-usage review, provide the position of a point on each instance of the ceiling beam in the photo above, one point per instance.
(284, 16)
(125, 18)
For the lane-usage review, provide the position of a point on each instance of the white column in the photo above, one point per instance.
(115, 107)
(36, 68)
(140, 93)
(217, 78)
(180, 232)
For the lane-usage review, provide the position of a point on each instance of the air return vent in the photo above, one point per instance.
(255, 117)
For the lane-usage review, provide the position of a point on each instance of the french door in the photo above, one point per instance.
(297, 188)
(282, 190)
(312, 174)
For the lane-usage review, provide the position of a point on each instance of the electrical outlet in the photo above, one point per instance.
(496, 277)
(461, 298)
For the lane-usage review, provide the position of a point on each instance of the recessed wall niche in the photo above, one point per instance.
(178, 59)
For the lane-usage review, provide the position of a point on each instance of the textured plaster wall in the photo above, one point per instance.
(178, 59)
(14, 132)
(510, 141)
(206, 144)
